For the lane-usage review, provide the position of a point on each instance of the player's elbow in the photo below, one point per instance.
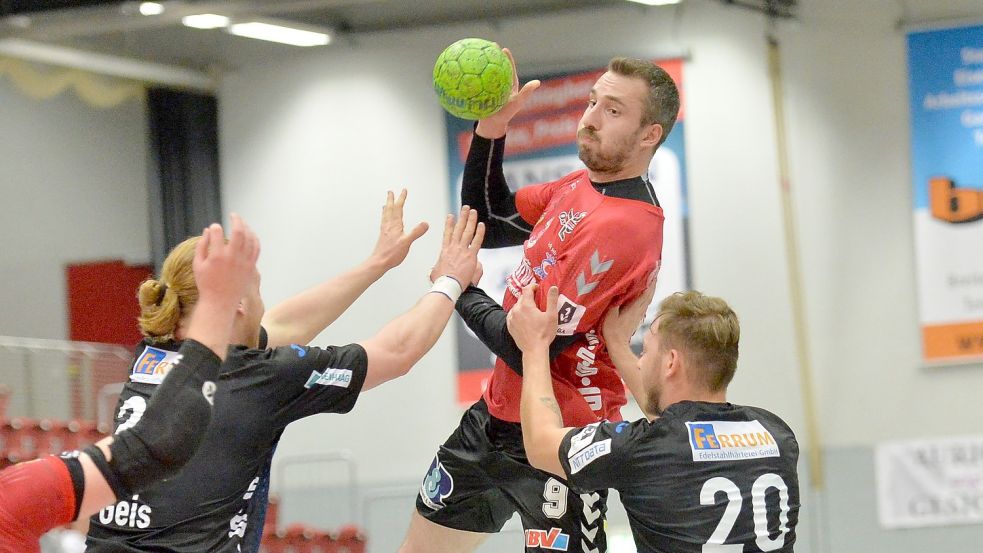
(536, 450)
(543, 458)
(537, 458)
(385, 364)
(405, 357)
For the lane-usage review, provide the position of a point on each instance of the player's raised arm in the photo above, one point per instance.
(483, 184)
(402, 342)
(297, 320)
(620, 324)
(222, 272)
(542, 424)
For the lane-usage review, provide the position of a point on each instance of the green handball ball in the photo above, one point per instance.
(472, 78)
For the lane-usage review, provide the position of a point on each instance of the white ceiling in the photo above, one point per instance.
(117, 28)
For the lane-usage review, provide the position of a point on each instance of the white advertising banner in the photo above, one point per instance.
(946, 94)
(935, 482)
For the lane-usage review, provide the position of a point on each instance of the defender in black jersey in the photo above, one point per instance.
(698, 473)
(43, 494)
(216, 503)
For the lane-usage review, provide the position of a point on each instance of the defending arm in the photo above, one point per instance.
(486, 318)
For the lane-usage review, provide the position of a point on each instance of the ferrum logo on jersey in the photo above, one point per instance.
(730, 441)
(153, 365)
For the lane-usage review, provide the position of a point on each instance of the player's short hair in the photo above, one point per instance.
(165, 299)
(662, 105)
(707, 330)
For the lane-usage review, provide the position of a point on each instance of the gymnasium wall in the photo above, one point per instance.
(73, 189)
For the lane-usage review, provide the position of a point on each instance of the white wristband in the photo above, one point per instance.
(448, 286)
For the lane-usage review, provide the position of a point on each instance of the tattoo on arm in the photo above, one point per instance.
(551, 403)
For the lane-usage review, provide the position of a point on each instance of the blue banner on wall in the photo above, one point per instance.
(946, 94)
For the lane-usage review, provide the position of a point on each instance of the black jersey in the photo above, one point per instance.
(703, 474)
(209, 505)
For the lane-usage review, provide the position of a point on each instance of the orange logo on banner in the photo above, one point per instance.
(953, 340)
(954, 205)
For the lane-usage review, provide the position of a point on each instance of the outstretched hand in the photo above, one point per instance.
(495, 125)
(530, 327)
(459, 251)
(393, 244)
(223, 269)
(621, 321)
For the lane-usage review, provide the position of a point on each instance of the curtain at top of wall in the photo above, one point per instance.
(43, 84)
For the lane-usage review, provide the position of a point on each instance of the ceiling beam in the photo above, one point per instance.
(104, 64)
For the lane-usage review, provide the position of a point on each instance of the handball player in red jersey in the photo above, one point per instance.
(596, 234)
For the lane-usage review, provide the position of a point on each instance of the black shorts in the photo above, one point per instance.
(480, 477)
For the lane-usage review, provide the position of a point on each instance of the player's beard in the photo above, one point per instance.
(653, 400)
(591, 154)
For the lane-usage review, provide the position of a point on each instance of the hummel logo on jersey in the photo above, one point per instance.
(596, 267)
(208, 390)
(730, 441)
(331, 377)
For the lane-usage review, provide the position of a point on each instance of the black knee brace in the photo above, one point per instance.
(172, 427)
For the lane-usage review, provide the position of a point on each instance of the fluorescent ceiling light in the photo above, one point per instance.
(656, 2)
(277, 33)
(205, 21)
(151, 8)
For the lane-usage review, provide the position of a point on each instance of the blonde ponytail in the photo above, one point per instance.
(163, 301)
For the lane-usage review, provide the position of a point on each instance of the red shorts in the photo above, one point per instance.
(35, 497)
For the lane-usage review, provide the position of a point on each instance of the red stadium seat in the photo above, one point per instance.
(272, 515)
(21, 437)
(301, 538)
(350, 539)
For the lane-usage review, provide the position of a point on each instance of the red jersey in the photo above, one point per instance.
(599, 251)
